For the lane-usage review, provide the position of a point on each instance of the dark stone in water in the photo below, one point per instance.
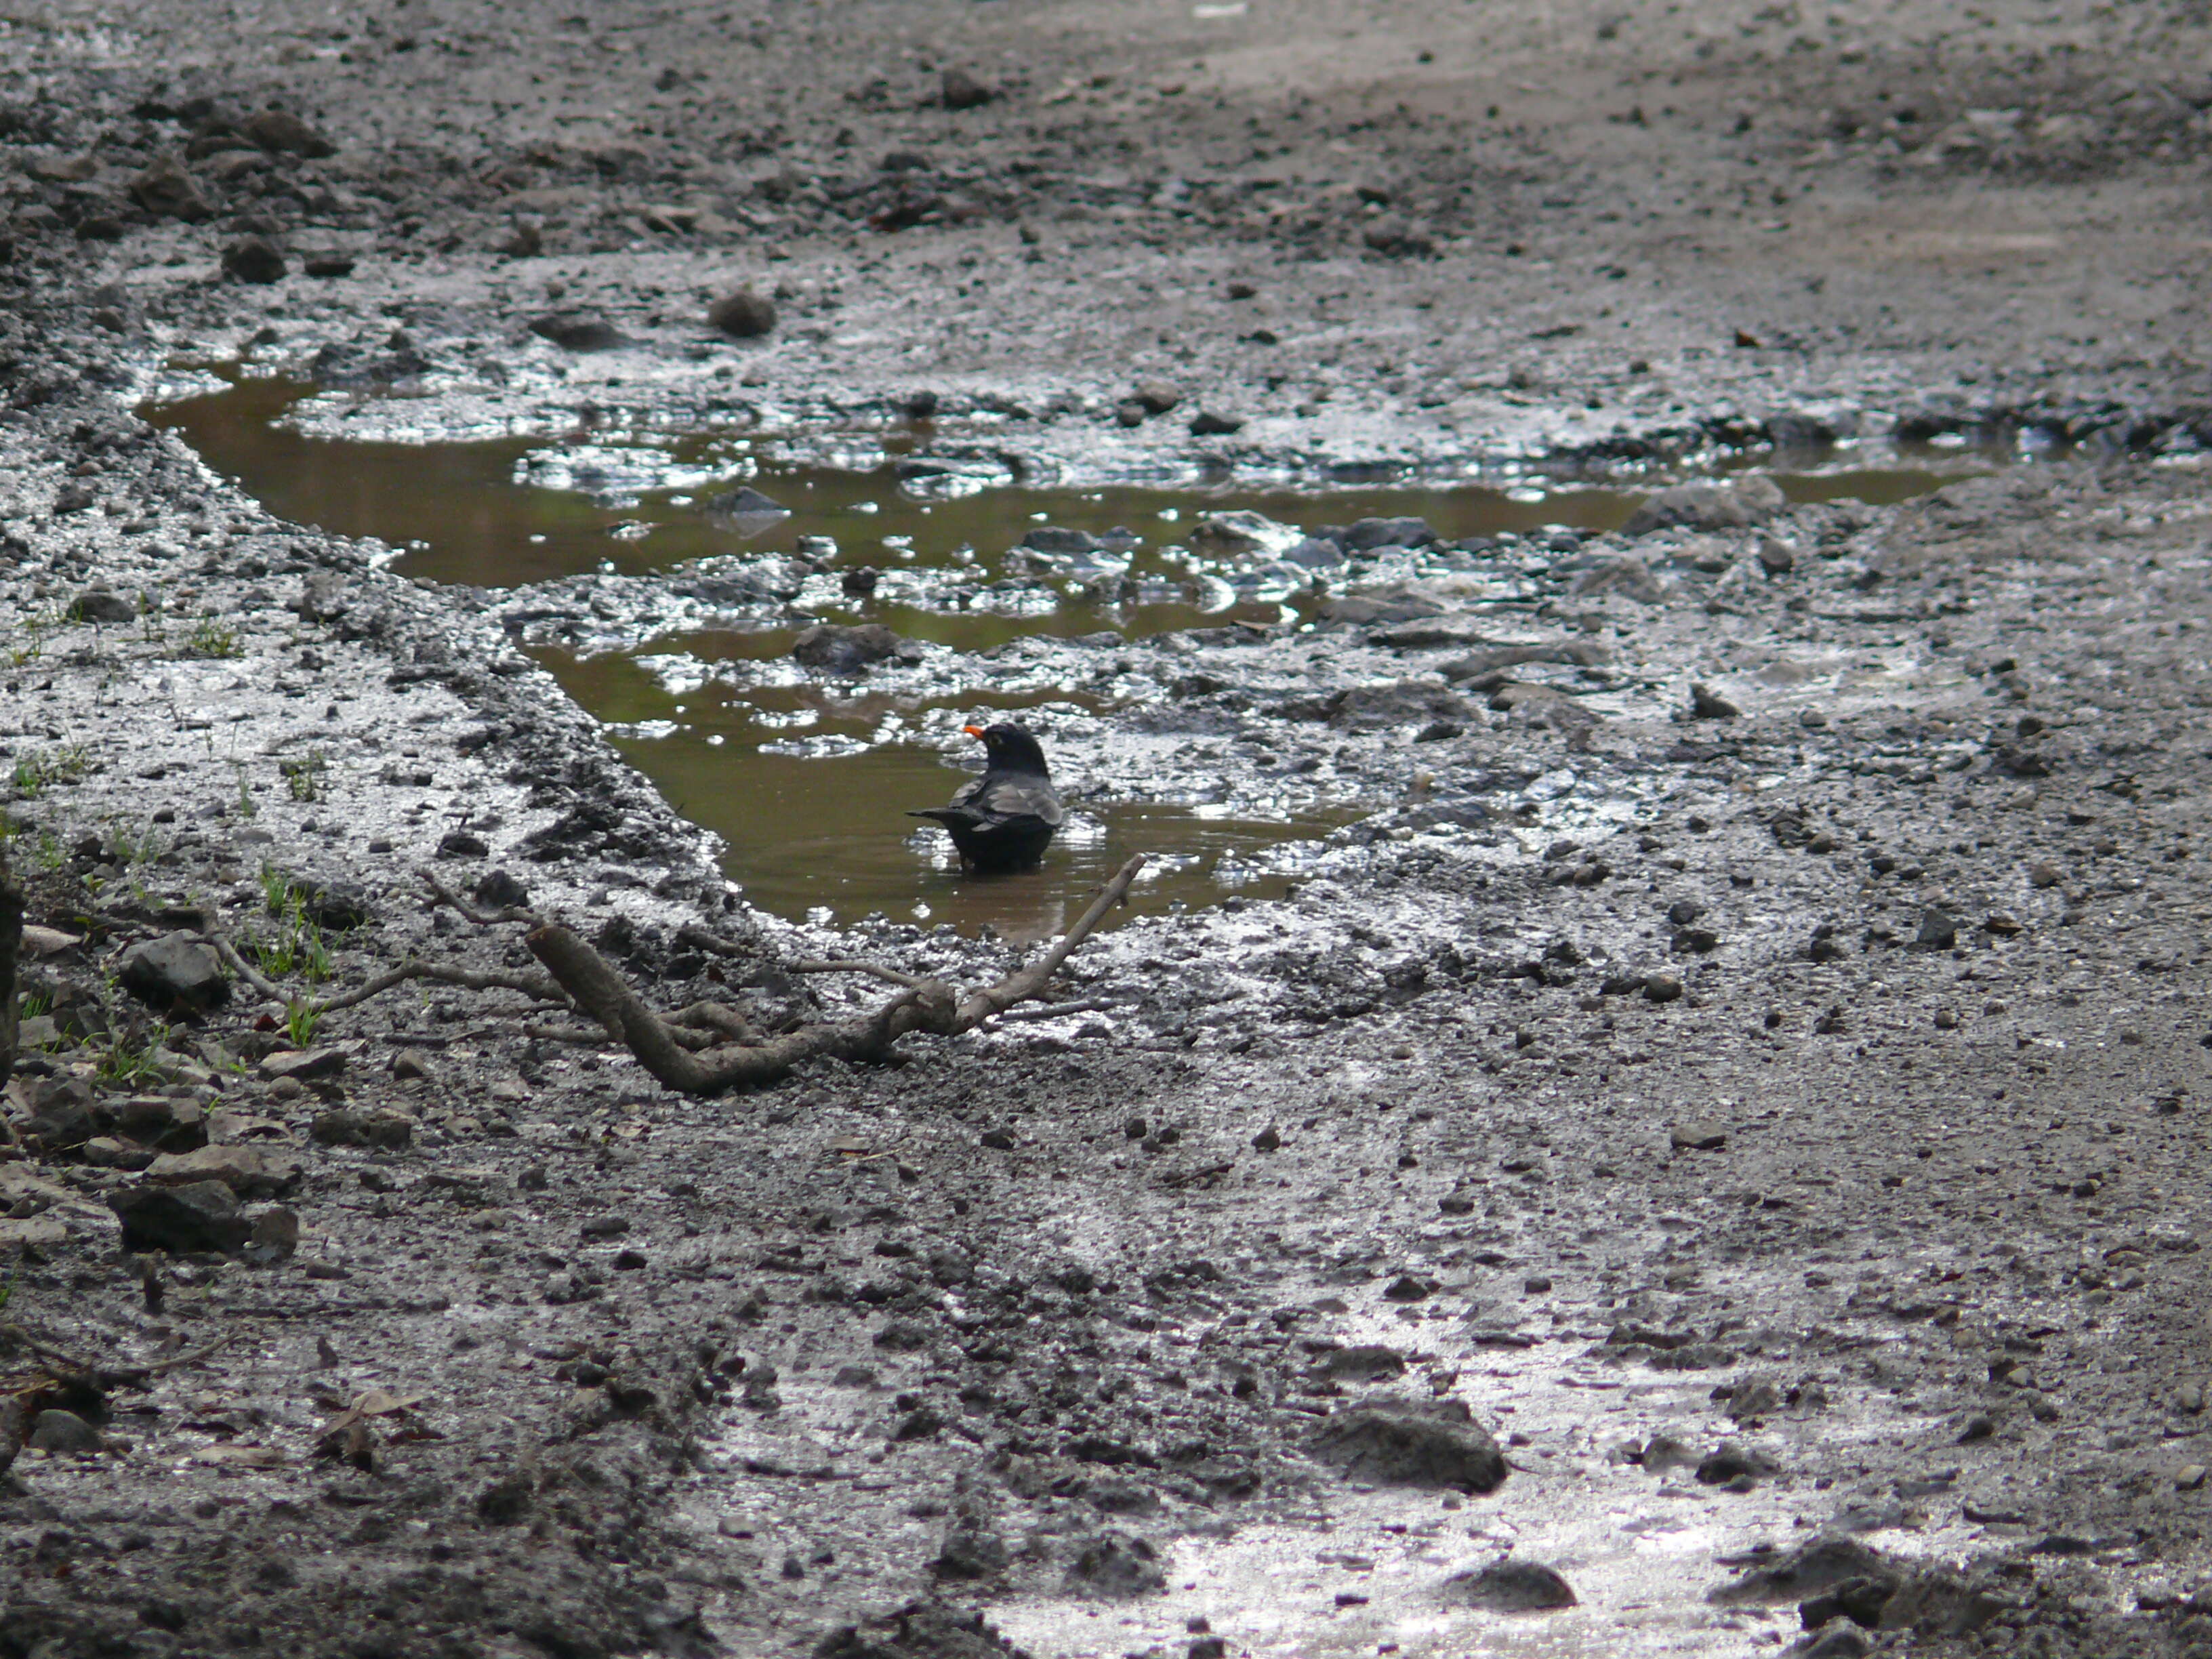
(834, 649)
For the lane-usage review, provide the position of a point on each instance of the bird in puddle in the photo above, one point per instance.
(1004, 819)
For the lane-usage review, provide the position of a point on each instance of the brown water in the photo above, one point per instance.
(829, 831)
(793, 777)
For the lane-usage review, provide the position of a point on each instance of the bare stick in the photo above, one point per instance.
(716, 1016)
(445, 894)
(873, 969)
(239, 965)
(584, 1035)
(536, 986)
(921, 1005)
(692, 933)
(1058, 1010)
(1031, 980)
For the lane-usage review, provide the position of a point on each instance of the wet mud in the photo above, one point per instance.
(1653, 1102)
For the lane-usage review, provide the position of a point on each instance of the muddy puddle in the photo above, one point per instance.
(808, 780)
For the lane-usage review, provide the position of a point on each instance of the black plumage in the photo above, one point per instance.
(1004, 819)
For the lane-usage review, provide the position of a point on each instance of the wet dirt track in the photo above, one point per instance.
(1765, 1127)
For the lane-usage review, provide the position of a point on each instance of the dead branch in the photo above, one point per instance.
(447, 895)
(239, 965)
(587, 1036)
(921, 1005)
(110, 1376)
(718, 1017)
(1059, 1010)
(536, 987)
(693, 934)
(873, 969)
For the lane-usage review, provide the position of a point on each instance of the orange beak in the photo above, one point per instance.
(972, 731)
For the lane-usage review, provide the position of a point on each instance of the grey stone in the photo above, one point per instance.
(204, 1215)
(1404, 1446)
(62, 1432)
(1512, 1586)
(167, 191)
(957, 89)
(303, 1065)
(1117, 1565)
(743, 315)
(1367, 534)
(1208, 424)
(1155, 397)
(836, 649)
(1707, 704)
(1807, 1570)
(1707, 507)
(253, 260)
(248, 1171)
(103, 605)
(175, 973)
(1058, 538)
(578, 330)
(1631, 578)
(280, 131)
(347, 1127)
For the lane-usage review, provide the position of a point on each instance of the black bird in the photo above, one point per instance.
(1004, 819)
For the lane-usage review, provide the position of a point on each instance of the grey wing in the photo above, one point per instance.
(966, 793)
(1013, 797)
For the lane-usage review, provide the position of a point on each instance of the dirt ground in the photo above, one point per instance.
(1746, 1068)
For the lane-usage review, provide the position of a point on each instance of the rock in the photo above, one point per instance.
(1208, 424)
(202, 1215)
(1753, 1399)
(1404, 702)
(1314, 553)
(902, 1336)
(1938, 931)
(327, 263)
(253, 260)
(1511, 1586)
(1365, 535)
(1057, 539)
(332, 901)
(970, 1552)
(1707, 704)
(324, 597)
(1366, 1362)
(1405, 1288)
(1155, 397)
(832, 648)
(280, 131)
(345, 1126)
(1696, 1137)
(62, 1432)
(167, 191)
(1776, 558)
(303, 1065)
(106, 1153)
(175, 974)
(500, 891)
(1373, 609)
(248, 1171)
(1117, 1565)
(578, 330)
(1807, 1570)
(746, 510)
(1662, 988)
(1836, 1642)
(742, 314)
(61, 1115)
(1707, 507)
(2042, 873)
(461, 844)
(1543, 705)
(1664, 1455)
(1266, 1140)
(1405, 1448)
(1629, 577)
(505, 1501)
(1730, 1463)
(412, 1065)
(1859, 1600)
(102, 604)
(2190, 1477)
(957, 89)
(1940, 1604)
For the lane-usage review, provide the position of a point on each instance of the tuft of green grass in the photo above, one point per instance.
(211, 637)
(304, 777)
(36, 773)
(300, 1019)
